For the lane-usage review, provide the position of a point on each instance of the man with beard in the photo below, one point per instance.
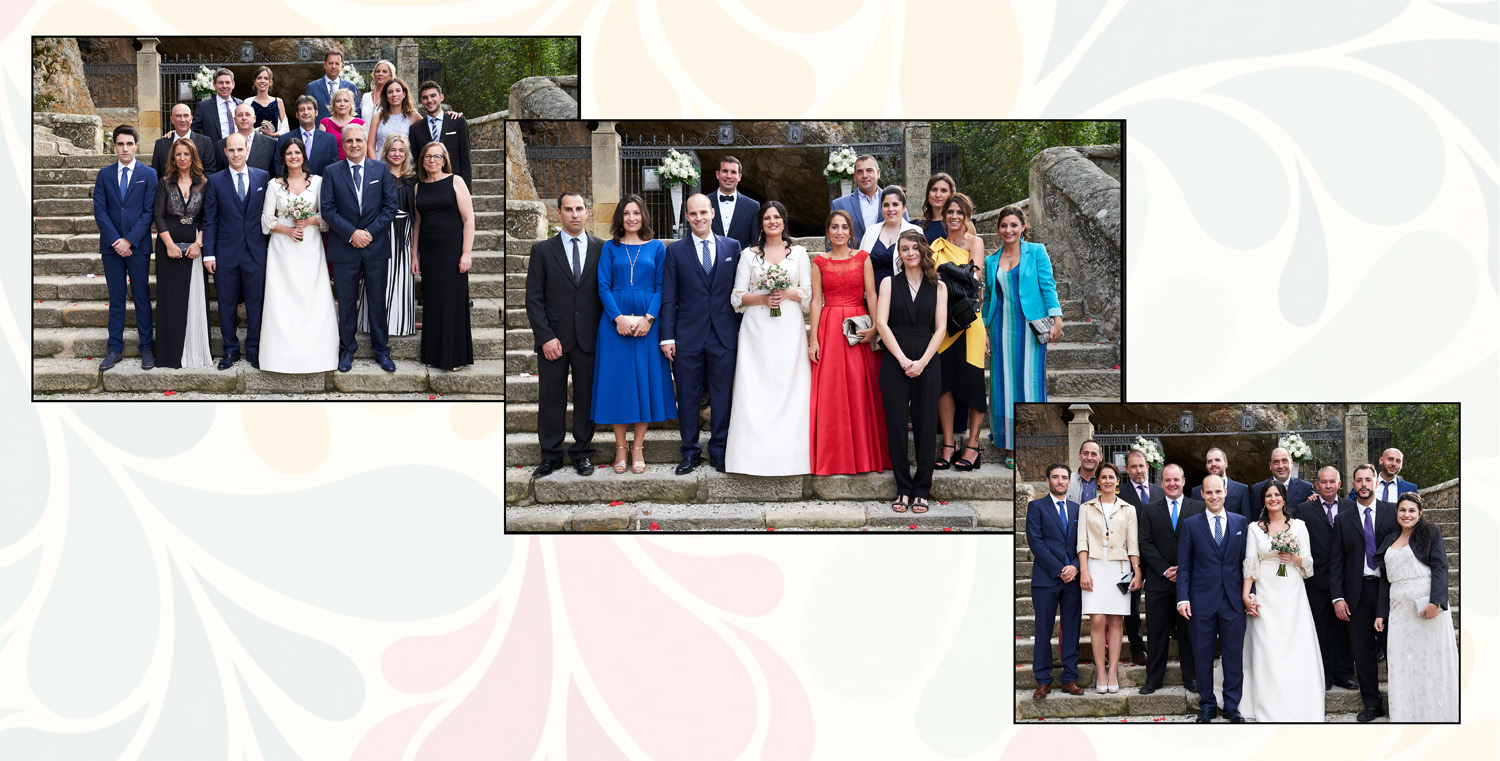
(1390, 486)
(1354, 579)
(1084, 484)
(1237, 495)
(1052, 537)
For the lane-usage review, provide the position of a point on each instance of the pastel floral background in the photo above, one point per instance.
(1312, 215)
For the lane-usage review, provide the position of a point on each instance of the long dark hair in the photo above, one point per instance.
(1288, 511)
(1422, 534)
(929, 267)
(760, 226)
(286, 171)
(927, 210)
(617, 224)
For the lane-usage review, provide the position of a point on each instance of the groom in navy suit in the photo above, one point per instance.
(359, 201)
(700, 329)
(1210, 557)
(234, 248)
(736, 215)
(1052, 537)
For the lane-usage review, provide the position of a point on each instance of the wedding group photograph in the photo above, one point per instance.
(810, 325)
(276, 217)
(1266, 563)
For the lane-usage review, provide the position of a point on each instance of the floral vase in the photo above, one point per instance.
(1294, 469)
(846, 187)
(676, 191)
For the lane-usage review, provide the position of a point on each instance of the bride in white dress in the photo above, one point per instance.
(299, 326)
(769, 428)
(1422, 650)
(1283, 666)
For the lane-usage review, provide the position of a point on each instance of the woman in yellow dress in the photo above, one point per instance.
(961, 356)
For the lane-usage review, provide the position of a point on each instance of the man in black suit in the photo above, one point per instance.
(1159, 524)
(734, 212)
(261, 150)
(1333, 634)
(319, 148)
(1236, 494)
(1139, 492)
(563, 306)
(452, 130)
(214, 118)
(182, 129)
(1354, 579)
(1297, 490)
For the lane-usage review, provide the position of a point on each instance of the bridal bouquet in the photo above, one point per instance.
(840, 166)
(677, 169)
(1285, 541)
(774, 279)
(299, 208)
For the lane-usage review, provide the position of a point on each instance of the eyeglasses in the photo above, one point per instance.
(437, 156)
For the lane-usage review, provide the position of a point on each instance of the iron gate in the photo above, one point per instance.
(558, 164)
(177, 71)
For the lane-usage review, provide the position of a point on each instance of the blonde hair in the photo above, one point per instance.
(342, 93)
(407, 168)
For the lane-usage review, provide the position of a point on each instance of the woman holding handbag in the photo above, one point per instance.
(847, 421)
(1021, 315)
(1109, 572)
(961, 356)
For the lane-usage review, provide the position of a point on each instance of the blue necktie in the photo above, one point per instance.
(708, 259)
(435, 122)
(124, 182)
(1385, 491)
(240, 183)
(1218, 529)
(1062, 512)
(1174, 515)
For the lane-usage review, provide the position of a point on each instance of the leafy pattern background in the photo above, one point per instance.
(1309, 184)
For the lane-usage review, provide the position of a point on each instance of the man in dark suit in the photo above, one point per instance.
(1160, 527)
(318, 147)
(863, 205)
(1389, 485)
(1139, 492)
(124, 200)
(214, 118)
(1210, 558)
(563, 306)
(182, 129)
(1297, 490)
(452, 130)
(1333, 633)
(1354, 579)
(323, 88)
(234, 248)
(359, 201)
(260, 151)
(700, 330)
(736, 215)
(1052, 537)
(1236, 494)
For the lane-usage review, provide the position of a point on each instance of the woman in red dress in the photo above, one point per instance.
(848, 422)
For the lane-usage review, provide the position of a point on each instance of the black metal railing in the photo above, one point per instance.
(558, 167)
(112, 85)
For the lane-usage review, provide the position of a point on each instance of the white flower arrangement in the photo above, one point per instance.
(352, 74)
(677, 169)
(840, 166)
(1153, 453)
(203, 82)
(1294, 445)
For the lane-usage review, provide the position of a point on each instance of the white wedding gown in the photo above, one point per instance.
(1282, 663)
(770, 420)
(1421, 653)
(299, 330)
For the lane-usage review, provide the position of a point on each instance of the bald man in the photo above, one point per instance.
(260, 151)
(1389, 486)
(182, 129)
(1297, 490)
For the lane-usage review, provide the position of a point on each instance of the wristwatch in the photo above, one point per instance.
(650, 319)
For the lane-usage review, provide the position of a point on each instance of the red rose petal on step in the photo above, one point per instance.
(947, 528)
(1117, 367)
(770, 528)
(617, 503)
(940, 502)
(912, 526)
(431, 397)
(654, 526)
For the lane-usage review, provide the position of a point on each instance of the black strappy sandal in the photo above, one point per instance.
(919, 504)
(967, 465)
(899, 506)
(944, 463)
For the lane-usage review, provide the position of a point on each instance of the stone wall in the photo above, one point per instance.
(1442, 495)
(81, 130)
(544, 98)
(58, 84)
(487, 131)
(1075, 212)
(518, 183)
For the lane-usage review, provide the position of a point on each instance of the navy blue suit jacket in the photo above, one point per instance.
(318, 89)
(1209, 573)
(1297, 492)
(1053, 545)
(206, 121)
(127, 217)
(344, 213)
(1236, 498)
(231, 227)
(325, 150)
(692, 304)
(746, 218)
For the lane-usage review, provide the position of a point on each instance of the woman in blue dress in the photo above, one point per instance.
(1018, 289)
(939, 187)
(880, 240)
(635, 386)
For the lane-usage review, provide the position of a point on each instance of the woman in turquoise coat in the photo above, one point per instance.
(1018, 289)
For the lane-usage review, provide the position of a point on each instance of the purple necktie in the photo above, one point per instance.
(1328, 508)
(1142, 489)
(1369, 537)
(229, 115)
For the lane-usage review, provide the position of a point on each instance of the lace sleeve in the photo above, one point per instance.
(268, 210)
(741, 282)
(1252, 553)
(804, 280)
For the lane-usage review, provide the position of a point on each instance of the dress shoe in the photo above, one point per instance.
(1041, 691)
(228, 361)
(583, 467)
(148, 359)
(1072, 688)
(1206, 715)
(346, 362)
(110, 360)
(385, 363)
(1191, 685)
(688, 463)
(1234, 716)
(1369, 714)
(546, 468)
(1150, 689)
(254, 360)
(718, 464)
(1138, 658)
(1346, 683)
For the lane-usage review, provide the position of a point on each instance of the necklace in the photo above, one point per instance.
(633, 259)
(913, 288)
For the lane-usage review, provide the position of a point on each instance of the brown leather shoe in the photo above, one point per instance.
(1041, 692)
(1072, 688)
(1138, 659)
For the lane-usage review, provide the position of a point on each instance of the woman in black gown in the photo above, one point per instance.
(181, 291)
(442, 242)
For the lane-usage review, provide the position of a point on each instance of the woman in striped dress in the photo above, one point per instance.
(1018, 289)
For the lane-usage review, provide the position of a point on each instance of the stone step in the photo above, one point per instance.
(1024, 605)
(89, 262)
(65, 243)
(1074, 358)
(1081, 356)
(488, 220)
(1024, 644)
(489, 187)
(491, 203)
(1099, 385)
(520, 338)
(83, 190)
(64, 224)
(1129, 702)
(740, 516)
(64, 313)
(62, 207)
(71, 176)
(81, 375)
(486, 157)
(66, 343)
(1026, 624)
(96, 288)
(1023, 580)
(1130, 674)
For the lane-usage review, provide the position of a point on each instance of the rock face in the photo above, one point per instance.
(57, 81)
(84, 132)
(543, 98)
(519, 186)
(1075, 211)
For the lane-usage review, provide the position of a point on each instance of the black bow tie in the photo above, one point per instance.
(726, 199)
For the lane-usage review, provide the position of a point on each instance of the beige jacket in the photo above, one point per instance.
(1123, 535)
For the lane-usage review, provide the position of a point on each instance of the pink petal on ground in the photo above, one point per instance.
(387, 740)
(419, 665)
(789, 732)
(586, 739)
(747, 585)
(666, 677)
(504, 715)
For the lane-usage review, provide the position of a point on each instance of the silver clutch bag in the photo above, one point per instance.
(1042, 329)
(853, 326)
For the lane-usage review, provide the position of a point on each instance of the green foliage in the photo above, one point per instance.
(995, 156)
(1426, 434)
(479, 71)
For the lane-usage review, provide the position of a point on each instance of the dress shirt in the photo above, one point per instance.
(583, 249)
(185, 136)
(332, 86)
(1088, 487)
(726, 210)
(869, 207)
(226, 122)
(713, 254)
(1370, 571)
(234, 183)
(428, 124)
(1135, 487)
(1381, 485)
(359, 187)
(1330, 509)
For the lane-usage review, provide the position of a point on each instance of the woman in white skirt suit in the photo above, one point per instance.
(1107, 555)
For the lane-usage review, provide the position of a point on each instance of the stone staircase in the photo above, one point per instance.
(70, 309)
(1172, 702)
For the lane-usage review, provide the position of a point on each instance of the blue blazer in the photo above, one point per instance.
(344, 214)
(692, 303)
(746, 218)
(206, 121)
(1208, 573)
(325, 150)
(1053, 544)
(128, 216)
(850, 205)
(231, 227)
(1038, 288)
(318, 89)
(1236, 499)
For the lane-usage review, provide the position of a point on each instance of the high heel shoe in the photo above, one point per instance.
(640, 464)
(967, 464)
(620, 463)
(944, 463)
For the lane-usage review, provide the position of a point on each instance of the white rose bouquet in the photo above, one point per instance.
(1154, 457)
(352, 74)
(840, 166)
(677, 169)
(1298, 448)
(203, 82)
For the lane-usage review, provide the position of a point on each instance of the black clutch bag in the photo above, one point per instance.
(963, 296)
(1124, 582)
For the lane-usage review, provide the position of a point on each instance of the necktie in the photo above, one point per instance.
(1385, 491)
(1174, 515)
(1218, 529)
(725, 199)
(1141, 489)
(708, 259)
(359, 191)
(1328, 508)
(1369, 538)
(228, 119)
(124, 182)
(331, 84)
(239, 178)
(577, 261)
(1062, 512)
(306, 143)
(435, 122)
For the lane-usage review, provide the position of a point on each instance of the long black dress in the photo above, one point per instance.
(911, 324)
(174, 277)
(446, 341)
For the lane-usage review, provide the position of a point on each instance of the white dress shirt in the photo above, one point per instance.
(234, 184)
(726, 210)
(359, 187)
(1380, 488)
(713, 255)
(226, 120)
(583, 249)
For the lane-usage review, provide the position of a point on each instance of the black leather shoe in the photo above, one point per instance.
(1191, 686)
(110, 360)
(546, 468)
(1379, 655)
(718, 464)
(228, 361)
(583, 467)
(688, 464)
(1234, 717)
(1206, 715)
(1150, 689)
(346, 362)
(1346, 683)
(1369, 714)
(254, 360)
(386, 364)
(148, 360)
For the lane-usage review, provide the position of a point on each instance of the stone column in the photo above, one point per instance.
(607, 181)
(408, 63)
(1079, 430)
(918, 164)
(1356, 441)
(148, 90)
